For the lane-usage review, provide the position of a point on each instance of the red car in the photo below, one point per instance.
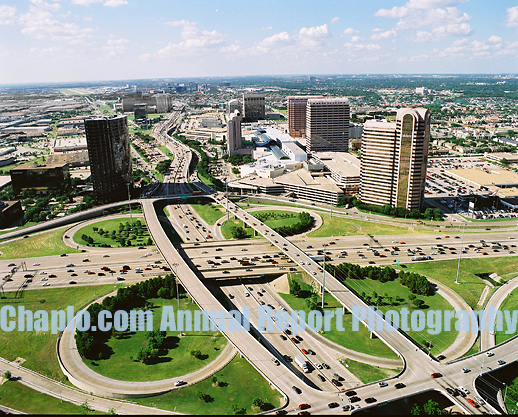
(304, 351)
(304, 406)
(473, 403)
(484, 253)
(294, 340)
(446, 236)
(402, 243)
(436, 375)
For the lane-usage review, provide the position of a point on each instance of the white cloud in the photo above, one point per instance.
(362, 46)
(40, 24)
(512, 17)
(232, 49)
(267, 28)
(356, 39)
(178, 23)
(7, 14)
(415, 58)
(335, 19)
(86, 2)
(313, 36)
(384, 35)
(350, 31)
(115, 3)
(45, 51)
(495, 39)
(115, 48)
(279, 39)
(439, 17)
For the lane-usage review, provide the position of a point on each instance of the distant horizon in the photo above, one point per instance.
(229, 77)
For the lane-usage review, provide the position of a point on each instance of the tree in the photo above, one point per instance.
(418, 303)
(238, 232)
(196, 353)
(432, 408)
(85, 408)
(257, 402)
(504, 161)
(295, 288)
(7, 375)
(416, 410)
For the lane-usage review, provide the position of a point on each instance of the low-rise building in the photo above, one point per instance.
(41, 178)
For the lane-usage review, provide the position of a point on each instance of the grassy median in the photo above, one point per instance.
(237, 384)
(39, 348)
(44, 244)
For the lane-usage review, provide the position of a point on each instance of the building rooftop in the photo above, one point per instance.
(343, 163)
(304, 178)
(39, 166)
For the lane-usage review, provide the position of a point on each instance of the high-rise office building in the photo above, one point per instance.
(297, 115)
(327, 125)
(110, 158)
(394, 159)
(234, 133)
(253, 106)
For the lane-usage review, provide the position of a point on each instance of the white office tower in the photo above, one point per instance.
(394, 158)
(234, 133)
(327, 125)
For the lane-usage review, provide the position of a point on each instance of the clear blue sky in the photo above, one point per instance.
(81, 40)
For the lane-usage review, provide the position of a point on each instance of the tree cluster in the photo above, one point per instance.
(238, 232)
(163, 166)
(155, 342)
(305, 222)
(90, 342)
(353, 271)
(237, 160)
(416, 283)
(428, 214)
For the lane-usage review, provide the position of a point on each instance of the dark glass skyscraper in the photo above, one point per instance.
(110, 157)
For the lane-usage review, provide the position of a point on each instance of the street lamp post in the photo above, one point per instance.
(226, 194)
(176, 279)
(460, 254)
(129, 205)
(324, 278)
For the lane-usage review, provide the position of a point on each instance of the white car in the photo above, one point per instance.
(43, 273)
(511, 237)
(45, 284)
(36, 264)
(179, 383)
(489, 354)
(44, 279)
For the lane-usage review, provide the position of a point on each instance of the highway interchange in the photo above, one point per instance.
(203, 242)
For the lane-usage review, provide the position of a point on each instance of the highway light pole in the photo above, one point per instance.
(324, 277)
(460, 253)
(176, 279)
(226, 193)
(129, 205)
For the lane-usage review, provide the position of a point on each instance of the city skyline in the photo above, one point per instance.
(88, 40)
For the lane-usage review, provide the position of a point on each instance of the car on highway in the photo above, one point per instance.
(501, 362)
(436, 375)
(489, 354)
(350, 393)
(382, 384)
(179, 383)
(399, 385)
(296, 389)
(333, 405)
(370, 400)
(72, 282)
(466, 370)
(354, 399)
(53, 276)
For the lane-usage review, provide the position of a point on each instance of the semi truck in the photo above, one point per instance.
(302, 363)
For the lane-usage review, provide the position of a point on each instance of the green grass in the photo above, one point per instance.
(470, 286)
(510, 303)
(358, 341)
(205, 180)
(368, 373)
(166, 152)
(44, 244)
(241, 383)
(16, 395)
(210, 212)
(227, 225)
(158, 175)
(474, 349)
(278, 222)
(175, 359)
(39, 348)
(339, 226)
(434, 302)
(112, 224)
